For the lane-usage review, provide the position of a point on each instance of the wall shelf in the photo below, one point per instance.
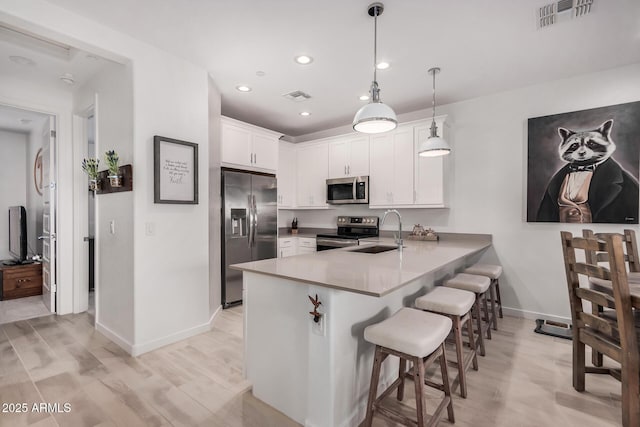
(127, 181)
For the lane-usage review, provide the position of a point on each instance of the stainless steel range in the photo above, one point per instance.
(350, 230)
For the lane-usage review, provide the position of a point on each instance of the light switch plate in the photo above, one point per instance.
(150, 228)
(112, 226)
(320, 328)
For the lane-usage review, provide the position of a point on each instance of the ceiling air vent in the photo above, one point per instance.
(562, 10)
(297, 96)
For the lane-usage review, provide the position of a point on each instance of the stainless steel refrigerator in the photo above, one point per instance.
(249, 226)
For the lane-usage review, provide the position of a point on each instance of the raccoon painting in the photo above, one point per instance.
(592, 186)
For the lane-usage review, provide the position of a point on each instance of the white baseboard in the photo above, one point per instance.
(533, 315)
(126, 345)
(139, 349)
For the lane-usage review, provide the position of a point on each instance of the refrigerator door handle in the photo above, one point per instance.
(255, 218)
(250, 221)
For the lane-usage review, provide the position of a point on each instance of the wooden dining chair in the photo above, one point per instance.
(594, 257)
(615, 337)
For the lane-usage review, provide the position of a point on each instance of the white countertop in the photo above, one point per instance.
(371, 274)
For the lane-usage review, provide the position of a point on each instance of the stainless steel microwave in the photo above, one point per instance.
(348, 190)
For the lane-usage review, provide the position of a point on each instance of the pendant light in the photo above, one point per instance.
(375, 117)
(434, 145)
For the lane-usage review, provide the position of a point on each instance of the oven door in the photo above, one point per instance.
(326, 243)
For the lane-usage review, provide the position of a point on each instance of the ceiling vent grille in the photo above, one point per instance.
(562, 10)
(297, 96)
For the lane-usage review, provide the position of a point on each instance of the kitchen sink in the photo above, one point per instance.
(375, 249)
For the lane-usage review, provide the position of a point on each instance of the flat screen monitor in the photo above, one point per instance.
(18, 233)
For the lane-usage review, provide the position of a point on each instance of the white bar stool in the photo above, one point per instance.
(456, 304)
(479, 285)
(418, 337)
(493, 272)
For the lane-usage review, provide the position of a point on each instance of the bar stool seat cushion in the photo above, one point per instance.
(414, 332)
(452, 301)
(489, 270)
(469, 282)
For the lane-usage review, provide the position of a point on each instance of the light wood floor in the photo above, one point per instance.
(525, 380)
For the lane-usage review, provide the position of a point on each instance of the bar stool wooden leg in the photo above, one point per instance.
(476, 308)
(373, 388)
(446, 386)
(457, 333)
(494, 313)
(418, 381)
(486, 312)
(499, 298)
(472, 342)
(401, 374)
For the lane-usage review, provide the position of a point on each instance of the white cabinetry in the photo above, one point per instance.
(290, 246)
(311, 175)
(286, 175)
(349, 156)
(248, 146)
(391, 168)
(287, 246)
(430, 172)
(306, 245)
(399, 177)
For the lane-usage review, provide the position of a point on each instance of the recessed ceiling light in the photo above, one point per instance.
(305, 113)
(303, 59)
(22, 60)
(382, 65)
(260, 73)
(67, 78)
(364, 97)
(243, 88)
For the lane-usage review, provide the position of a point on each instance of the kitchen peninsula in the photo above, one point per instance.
(318, 373)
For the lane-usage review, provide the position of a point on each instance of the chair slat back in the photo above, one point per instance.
(613, 245)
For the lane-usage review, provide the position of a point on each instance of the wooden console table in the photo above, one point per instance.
(18, 281)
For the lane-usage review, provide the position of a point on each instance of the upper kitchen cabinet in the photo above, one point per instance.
(311, 159)
(286, 175)
(391, 168)
(349, 156)
(430, 172)
(248, 146)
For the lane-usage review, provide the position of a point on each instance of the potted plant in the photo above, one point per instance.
(90, 166)
(115, 179)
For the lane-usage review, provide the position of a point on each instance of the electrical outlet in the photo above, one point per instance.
(319, 328)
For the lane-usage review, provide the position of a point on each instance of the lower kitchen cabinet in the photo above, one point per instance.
(290, 246)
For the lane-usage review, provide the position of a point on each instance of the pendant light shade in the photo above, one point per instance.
(433, 146)
(375, 117)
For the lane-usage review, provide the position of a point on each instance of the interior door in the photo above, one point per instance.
(49, 216)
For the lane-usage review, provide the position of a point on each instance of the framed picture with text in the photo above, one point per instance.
(175, 171)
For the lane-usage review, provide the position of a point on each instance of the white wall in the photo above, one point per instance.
(13, 181)
(488, 194)
(114, 131)
(215, 238)
(170, 98)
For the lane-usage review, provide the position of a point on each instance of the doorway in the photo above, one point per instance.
(27, 244)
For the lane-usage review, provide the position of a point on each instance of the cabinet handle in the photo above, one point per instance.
(414, 196)
(348, 169)
(345, 169)
(255, 158)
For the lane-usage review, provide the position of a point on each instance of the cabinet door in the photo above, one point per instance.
(358, 157)
(338, 158)
(312, 164)
(429, 174)
(236, 145)
(381, 170)
(286, 252)
(403, 161)
(286, 175)
(265, 151)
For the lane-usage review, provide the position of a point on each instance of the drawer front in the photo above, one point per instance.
(22, 282)
(285, 243)
(307, 242)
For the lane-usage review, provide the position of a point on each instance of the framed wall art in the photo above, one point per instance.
(583, 166)
(175, 171)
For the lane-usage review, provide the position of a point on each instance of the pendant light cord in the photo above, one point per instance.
(375, 43)
(433, 102)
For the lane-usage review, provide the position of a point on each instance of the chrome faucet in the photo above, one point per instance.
(399, 241)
